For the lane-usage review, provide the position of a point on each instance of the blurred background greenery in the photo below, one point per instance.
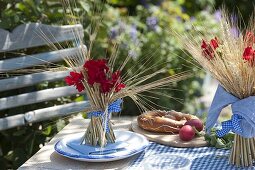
(146, 26)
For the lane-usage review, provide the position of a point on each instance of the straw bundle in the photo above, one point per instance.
(230, 58)
(105, 82)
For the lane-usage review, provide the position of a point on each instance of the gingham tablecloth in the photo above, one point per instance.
(208, 158)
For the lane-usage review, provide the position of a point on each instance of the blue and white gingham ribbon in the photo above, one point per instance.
(233, 123)
(243, 119)
(113, 107)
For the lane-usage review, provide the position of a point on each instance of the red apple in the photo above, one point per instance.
(198, 124)
(186, 133)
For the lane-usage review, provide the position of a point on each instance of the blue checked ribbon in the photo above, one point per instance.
(113, 107)
(243, 118)
(233, 123)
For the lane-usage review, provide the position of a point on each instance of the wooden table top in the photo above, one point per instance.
(47, 158)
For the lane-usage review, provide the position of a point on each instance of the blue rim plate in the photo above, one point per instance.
(132, 143)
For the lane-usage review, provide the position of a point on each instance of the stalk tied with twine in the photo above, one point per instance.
(99, 129)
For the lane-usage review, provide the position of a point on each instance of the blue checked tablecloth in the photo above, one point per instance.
(207, 158)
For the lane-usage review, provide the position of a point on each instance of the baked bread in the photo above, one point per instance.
(163, 121)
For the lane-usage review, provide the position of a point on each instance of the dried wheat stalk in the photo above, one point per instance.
(135, 84)
(234, 73)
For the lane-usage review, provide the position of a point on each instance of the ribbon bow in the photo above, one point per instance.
(113, 107)
(232, 124)
(242, 121)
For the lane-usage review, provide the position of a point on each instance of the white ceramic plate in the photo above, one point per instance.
(127, 144)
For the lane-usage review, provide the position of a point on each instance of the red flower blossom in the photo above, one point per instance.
(214, 43)
(249, 38)
(106, 86)
(98, 72)
(76, 80)
(249, 55)
(119, 87)
(208, 48)
(116, 80)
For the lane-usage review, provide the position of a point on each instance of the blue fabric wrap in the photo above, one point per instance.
(242, 121)
(113, 107)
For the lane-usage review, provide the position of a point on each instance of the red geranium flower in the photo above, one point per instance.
(106, 86)
(96, 70)
(208, 48)
(214, 43)
(119, 87)
(249, 55)
(116, 80)
(76, 80)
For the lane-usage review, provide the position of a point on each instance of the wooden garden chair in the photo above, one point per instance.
(24, 37)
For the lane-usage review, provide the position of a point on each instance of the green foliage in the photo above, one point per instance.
(225, 142)
(19, 144)
(14, 13)
(141, 39)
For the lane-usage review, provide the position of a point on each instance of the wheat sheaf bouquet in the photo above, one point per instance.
(105, 82)
(230, 58)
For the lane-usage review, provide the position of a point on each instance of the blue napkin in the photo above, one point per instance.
(110, 148)
(245, 108)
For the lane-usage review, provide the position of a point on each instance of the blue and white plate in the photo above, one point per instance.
(127, 144)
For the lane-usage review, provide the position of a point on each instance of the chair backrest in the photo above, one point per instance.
(27, 36)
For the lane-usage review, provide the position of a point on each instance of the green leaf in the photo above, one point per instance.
(213, 140)
(47, 130)
(79, 99)
(85, 6)
(220, 143)
(20, 6)
(84, 115)
(225, 143)
(229, 137)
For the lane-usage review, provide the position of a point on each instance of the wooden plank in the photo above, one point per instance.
(56, 111)
(31, 79)
(42, 114)
(30, 35)
(37, 59)
(36, 97)
(12, 121)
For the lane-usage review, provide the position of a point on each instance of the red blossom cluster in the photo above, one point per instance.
(76, 80)
(249, 55)
(97, 72)
(209, 48)
(249, 52)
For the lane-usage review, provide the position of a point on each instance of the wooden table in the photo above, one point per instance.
(47, 158)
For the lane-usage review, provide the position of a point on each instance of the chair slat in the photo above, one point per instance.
(12, 121)
(42, 114)
(28, 36)
(36, 97)
(38, 59)
(56, 111)
(31, 79)
(31, 35)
